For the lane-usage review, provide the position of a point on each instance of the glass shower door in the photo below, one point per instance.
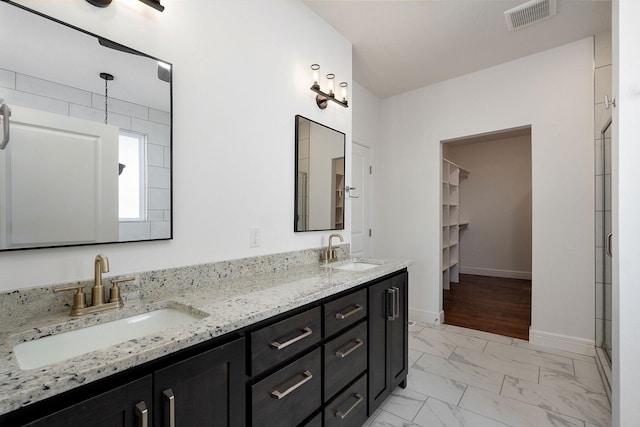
(607, 256)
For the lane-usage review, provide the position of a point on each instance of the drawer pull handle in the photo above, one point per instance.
(341, 316)
(343, 415)
(170, 397)
(396, 303)
(142, 413)
(359, 344)
(280, 394)
(306, 332)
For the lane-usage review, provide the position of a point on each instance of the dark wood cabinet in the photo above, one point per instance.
(123, 406)
(388, 338)
(207, 389)
(331, 362)
(204, 390)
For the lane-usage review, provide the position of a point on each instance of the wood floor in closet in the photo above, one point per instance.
(491, 304)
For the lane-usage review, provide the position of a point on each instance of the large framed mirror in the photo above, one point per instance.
(319, 177)
(89, 126)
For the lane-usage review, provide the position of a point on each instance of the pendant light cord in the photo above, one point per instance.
(106, 101)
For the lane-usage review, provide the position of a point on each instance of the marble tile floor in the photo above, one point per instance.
(461, 377)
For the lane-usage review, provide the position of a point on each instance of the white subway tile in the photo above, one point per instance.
(155, 155)
(30, 100)
(94, 115)
(602, 116)
(155, 215)
(135, 231)
(603, 83)
(167, 215)
(603, 49)
(159, 116)
(121, 107)
(159, 198)
(7, 79)
(54, 90)
(156, 133)
(158, 177)
(167, 157)
(160, 230)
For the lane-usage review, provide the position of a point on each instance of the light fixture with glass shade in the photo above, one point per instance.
(322, 97)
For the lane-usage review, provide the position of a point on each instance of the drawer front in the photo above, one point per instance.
(344, 311)
(345, 357)
(278, 342)
(290, 395)
(349, 408)
(315, 421)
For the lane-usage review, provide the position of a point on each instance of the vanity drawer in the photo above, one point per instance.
(345, 357)
(315, 421)
(349, 408)
(278, 342)
(290, 395)
(344, 311)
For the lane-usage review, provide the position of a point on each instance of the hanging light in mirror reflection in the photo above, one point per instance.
(153, 3)
(322, 97)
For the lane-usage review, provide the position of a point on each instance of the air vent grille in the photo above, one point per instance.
(529, 13)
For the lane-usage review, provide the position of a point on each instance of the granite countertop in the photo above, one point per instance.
(231, 304)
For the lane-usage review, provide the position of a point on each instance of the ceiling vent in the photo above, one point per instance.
(529, 13)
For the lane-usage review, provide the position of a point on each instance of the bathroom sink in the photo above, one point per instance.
(54, 348)
(356, 266)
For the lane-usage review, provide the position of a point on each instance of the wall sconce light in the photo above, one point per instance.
(153, 3)
(323, 97)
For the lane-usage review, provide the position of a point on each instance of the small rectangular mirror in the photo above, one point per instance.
(319, 177)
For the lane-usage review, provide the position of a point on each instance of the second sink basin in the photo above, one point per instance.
(356, 266)
(54, 348)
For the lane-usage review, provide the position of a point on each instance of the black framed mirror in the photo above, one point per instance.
(89, 152)
(319, 177)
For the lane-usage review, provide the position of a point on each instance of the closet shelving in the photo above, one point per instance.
(452, 174)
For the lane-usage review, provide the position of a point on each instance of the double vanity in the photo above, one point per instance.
(273, 340)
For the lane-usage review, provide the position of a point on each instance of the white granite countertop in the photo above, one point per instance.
(231, 304)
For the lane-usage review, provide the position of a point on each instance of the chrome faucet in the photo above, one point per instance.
(80, 307)
(329, 255)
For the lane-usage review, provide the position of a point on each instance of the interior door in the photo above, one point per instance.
(58, 180)
(360, 200)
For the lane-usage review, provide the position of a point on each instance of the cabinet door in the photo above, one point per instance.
(114, 408)
(388, 338)
(205, 390)
(399, 334)
(379, 387)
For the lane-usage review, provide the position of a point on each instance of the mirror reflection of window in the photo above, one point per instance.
(131, 186)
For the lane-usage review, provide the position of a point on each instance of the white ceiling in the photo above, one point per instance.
(402, 45)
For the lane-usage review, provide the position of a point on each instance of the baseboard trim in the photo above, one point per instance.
(508, 274)
(562, 342)
(426, 317)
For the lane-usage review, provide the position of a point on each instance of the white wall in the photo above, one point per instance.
(496, 200)
(241, 73)
(366, 132)
(626, 203)
(553, 92)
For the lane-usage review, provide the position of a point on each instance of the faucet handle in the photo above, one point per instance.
(79, 298)
(114, 292)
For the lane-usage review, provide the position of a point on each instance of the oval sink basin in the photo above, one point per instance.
(356, 266)
(54, 348)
